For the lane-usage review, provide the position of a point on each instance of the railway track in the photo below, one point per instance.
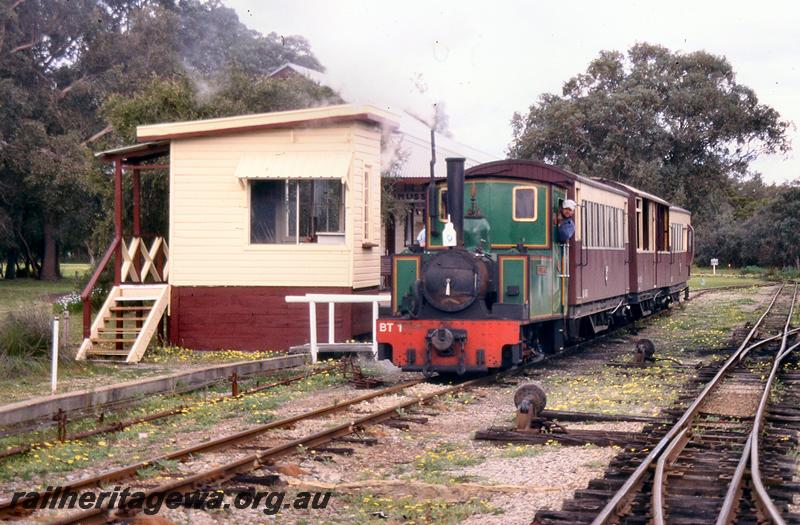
(251, 453)
(247, 463)
(121, 425)
(60, 420)
(727, 457)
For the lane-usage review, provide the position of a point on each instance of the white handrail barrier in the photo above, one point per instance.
(313, 298)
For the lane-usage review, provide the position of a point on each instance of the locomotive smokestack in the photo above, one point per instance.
(455, 195)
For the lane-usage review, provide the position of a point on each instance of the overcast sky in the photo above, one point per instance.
(486, 60)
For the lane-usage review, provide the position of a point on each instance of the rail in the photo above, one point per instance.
(312, 299)
(86, 294)
(621, 499)
(763, 501)
(8, 506)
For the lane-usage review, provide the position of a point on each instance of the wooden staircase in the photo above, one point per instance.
(126, 323)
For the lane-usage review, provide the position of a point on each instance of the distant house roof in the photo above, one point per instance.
(259, 121)
(411, 140)
(289, 69)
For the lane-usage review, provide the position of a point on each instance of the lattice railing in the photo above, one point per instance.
(141, 265)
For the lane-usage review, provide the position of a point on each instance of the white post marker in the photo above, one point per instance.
(54, 367)
(330, 322)
(312, 320)
(714, 264)
(375, 330)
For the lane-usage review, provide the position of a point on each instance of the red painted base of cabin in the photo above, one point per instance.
(257, 317)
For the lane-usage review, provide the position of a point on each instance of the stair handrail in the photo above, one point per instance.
(86, 294)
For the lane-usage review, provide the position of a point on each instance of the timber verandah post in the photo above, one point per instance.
(118, 232)
(118, 220)
(137, 230)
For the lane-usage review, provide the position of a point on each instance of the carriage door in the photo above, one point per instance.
(561, 260)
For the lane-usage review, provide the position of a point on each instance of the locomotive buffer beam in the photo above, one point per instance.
(445, 342)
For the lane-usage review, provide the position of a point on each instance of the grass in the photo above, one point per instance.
(706, 281)
(436, 465)
(372, 509)
(646, 390)
(178, 355)
(608, 390)
(526, 451)
(23, 294)
(704, 277)
(30, 292)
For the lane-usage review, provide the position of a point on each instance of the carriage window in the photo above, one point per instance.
(662, 228)
(524, 204)
(443, 205)
(639, 225)
(294, 211)
(676, 238)
(604, 229)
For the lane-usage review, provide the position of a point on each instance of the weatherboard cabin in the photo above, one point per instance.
(260, 207)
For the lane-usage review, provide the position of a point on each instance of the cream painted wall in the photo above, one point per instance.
(589, 192)
(209, 212)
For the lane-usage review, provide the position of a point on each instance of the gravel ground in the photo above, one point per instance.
(735, 400)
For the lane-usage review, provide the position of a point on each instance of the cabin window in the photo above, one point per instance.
(525, 204)
(295, 211)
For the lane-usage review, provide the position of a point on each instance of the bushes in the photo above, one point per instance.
(752, 270)
(72, 302)
(25, 341)
(769, 236)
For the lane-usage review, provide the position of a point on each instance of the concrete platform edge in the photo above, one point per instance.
(45, 406)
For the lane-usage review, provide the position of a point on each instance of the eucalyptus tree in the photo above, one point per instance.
(59, 61)
(676, 124)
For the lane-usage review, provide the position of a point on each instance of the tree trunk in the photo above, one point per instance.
(11, 263)
(50, 259)
(90, 251)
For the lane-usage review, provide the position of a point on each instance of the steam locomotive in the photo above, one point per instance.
(493, 287)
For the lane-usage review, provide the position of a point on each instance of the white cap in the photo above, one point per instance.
(569, 204)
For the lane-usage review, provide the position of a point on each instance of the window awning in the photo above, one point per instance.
(295, 165)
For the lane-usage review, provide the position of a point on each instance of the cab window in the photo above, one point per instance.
(525, 204)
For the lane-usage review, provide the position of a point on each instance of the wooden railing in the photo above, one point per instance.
(155, 261)
(138, 265)
(86, 294)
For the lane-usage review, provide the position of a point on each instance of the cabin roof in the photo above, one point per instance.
(274, 120)
(141, 150)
